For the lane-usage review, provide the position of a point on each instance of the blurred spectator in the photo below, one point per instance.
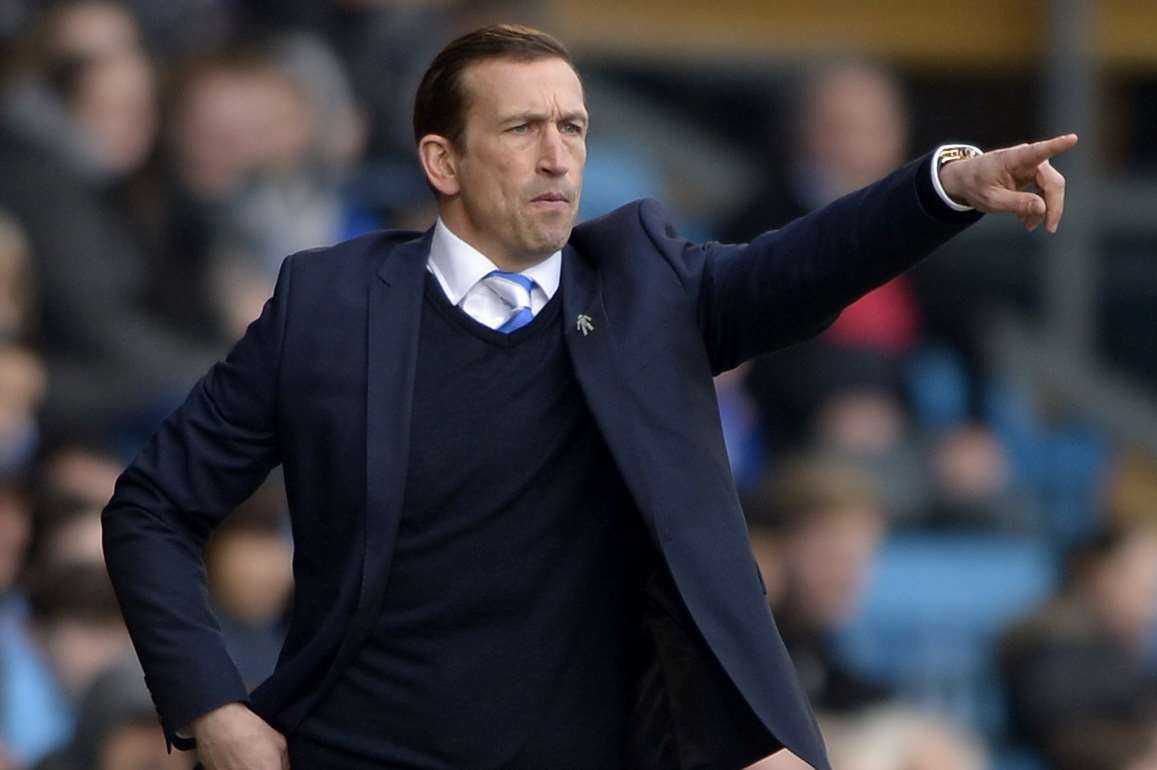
(213, 145)
(73, 629)
(69, 532)
(386, 46)
(22, 376)
(339, 125)
(71, 483)
(1079, 665)
(848, 124)
(860, 410)
(15, 534)
(892, 738)
(62, 543)
(216, 136)
(825, 520)
(77, 623)
(296, 197)
(17, 301)
(1107, 746)
(860, 415)
(848, 128)
(972, 484)
(23, 734)
(76, 470)
(76, 117)
(262, 144)
(249, 560)
(22, 388)
(98, 66)
(116, 727)
(1132, 487)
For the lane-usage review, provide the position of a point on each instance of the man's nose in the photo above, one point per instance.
(553, 158)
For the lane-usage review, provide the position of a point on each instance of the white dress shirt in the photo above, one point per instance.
(459, 267)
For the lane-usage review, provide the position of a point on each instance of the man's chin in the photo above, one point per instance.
(553, 239)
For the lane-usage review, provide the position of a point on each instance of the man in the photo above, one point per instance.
(1101, 620)
(518, 541)
(848, 127)
(816, 527)
(74, 125)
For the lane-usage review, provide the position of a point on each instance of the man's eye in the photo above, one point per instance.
(572, 128)
(521, 128)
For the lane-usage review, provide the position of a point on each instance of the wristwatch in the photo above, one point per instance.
(952, 152)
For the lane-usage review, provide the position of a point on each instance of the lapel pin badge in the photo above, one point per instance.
(583, 324)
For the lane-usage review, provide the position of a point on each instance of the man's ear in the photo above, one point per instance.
(439, 163)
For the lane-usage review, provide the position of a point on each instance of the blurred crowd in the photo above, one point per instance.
(964, 571)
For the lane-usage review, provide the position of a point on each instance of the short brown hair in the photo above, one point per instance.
(441, 102)
(798, 491)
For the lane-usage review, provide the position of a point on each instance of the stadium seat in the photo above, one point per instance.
(933, 610)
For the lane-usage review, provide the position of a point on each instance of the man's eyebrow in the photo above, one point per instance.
(530, 117)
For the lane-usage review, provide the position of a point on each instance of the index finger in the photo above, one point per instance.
(1038, 152)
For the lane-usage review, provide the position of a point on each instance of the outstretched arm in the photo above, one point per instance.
(789, 284)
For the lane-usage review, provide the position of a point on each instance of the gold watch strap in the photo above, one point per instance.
(956, 152)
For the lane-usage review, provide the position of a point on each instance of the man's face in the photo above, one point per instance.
(828, 560)
(854, 128)
(519, 166)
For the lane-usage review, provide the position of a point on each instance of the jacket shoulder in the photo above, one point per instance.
(646, 212)
(349, 254)
(636, 228)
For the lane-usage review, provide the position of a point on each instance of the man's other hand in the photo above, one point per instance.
(999, 181)
(232, 737)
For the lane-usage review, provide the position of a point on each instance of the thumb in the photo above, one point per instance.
(1013, 202)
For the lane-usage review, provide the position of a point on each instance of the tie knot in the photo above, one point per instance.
(524, 281)
(513, 288)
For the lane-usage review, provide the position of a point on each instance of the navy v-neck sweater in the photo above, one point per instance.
(505, 638)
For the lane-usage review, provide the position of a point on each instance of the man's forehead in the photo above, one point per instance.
(509, 85)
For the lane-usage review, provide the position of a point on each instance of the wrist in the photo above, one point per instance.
(951, 184)
(209, 718)
(949, 163)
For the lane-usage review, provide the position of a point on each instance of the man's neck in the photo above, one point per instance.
(506, 262)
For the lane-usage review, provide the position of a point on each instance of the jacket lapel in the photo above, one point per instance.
(594, 355)
(395, 305)
(392, 318)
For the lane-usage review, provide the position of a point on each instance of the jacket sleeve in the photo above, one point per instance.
(206, 458)
(789, 284)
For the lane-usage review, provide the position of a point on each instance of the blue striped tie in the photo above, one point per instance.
(514, 289)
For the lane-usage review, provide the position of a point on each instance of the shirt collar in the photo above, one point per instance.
(458, 266)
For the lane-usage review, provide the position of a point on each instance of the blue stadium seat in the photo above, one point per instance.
(933, 610)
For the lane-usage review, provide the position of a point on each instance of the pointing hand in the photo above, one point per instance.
(999, 181)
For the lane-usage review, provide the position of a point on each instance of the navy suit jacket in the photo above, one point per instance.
(322, 383)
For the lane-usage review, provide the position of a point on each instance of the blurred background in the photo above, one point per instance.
(952, 492)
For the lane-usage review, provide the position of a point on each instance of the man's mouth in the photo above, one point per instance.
(550, 197)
